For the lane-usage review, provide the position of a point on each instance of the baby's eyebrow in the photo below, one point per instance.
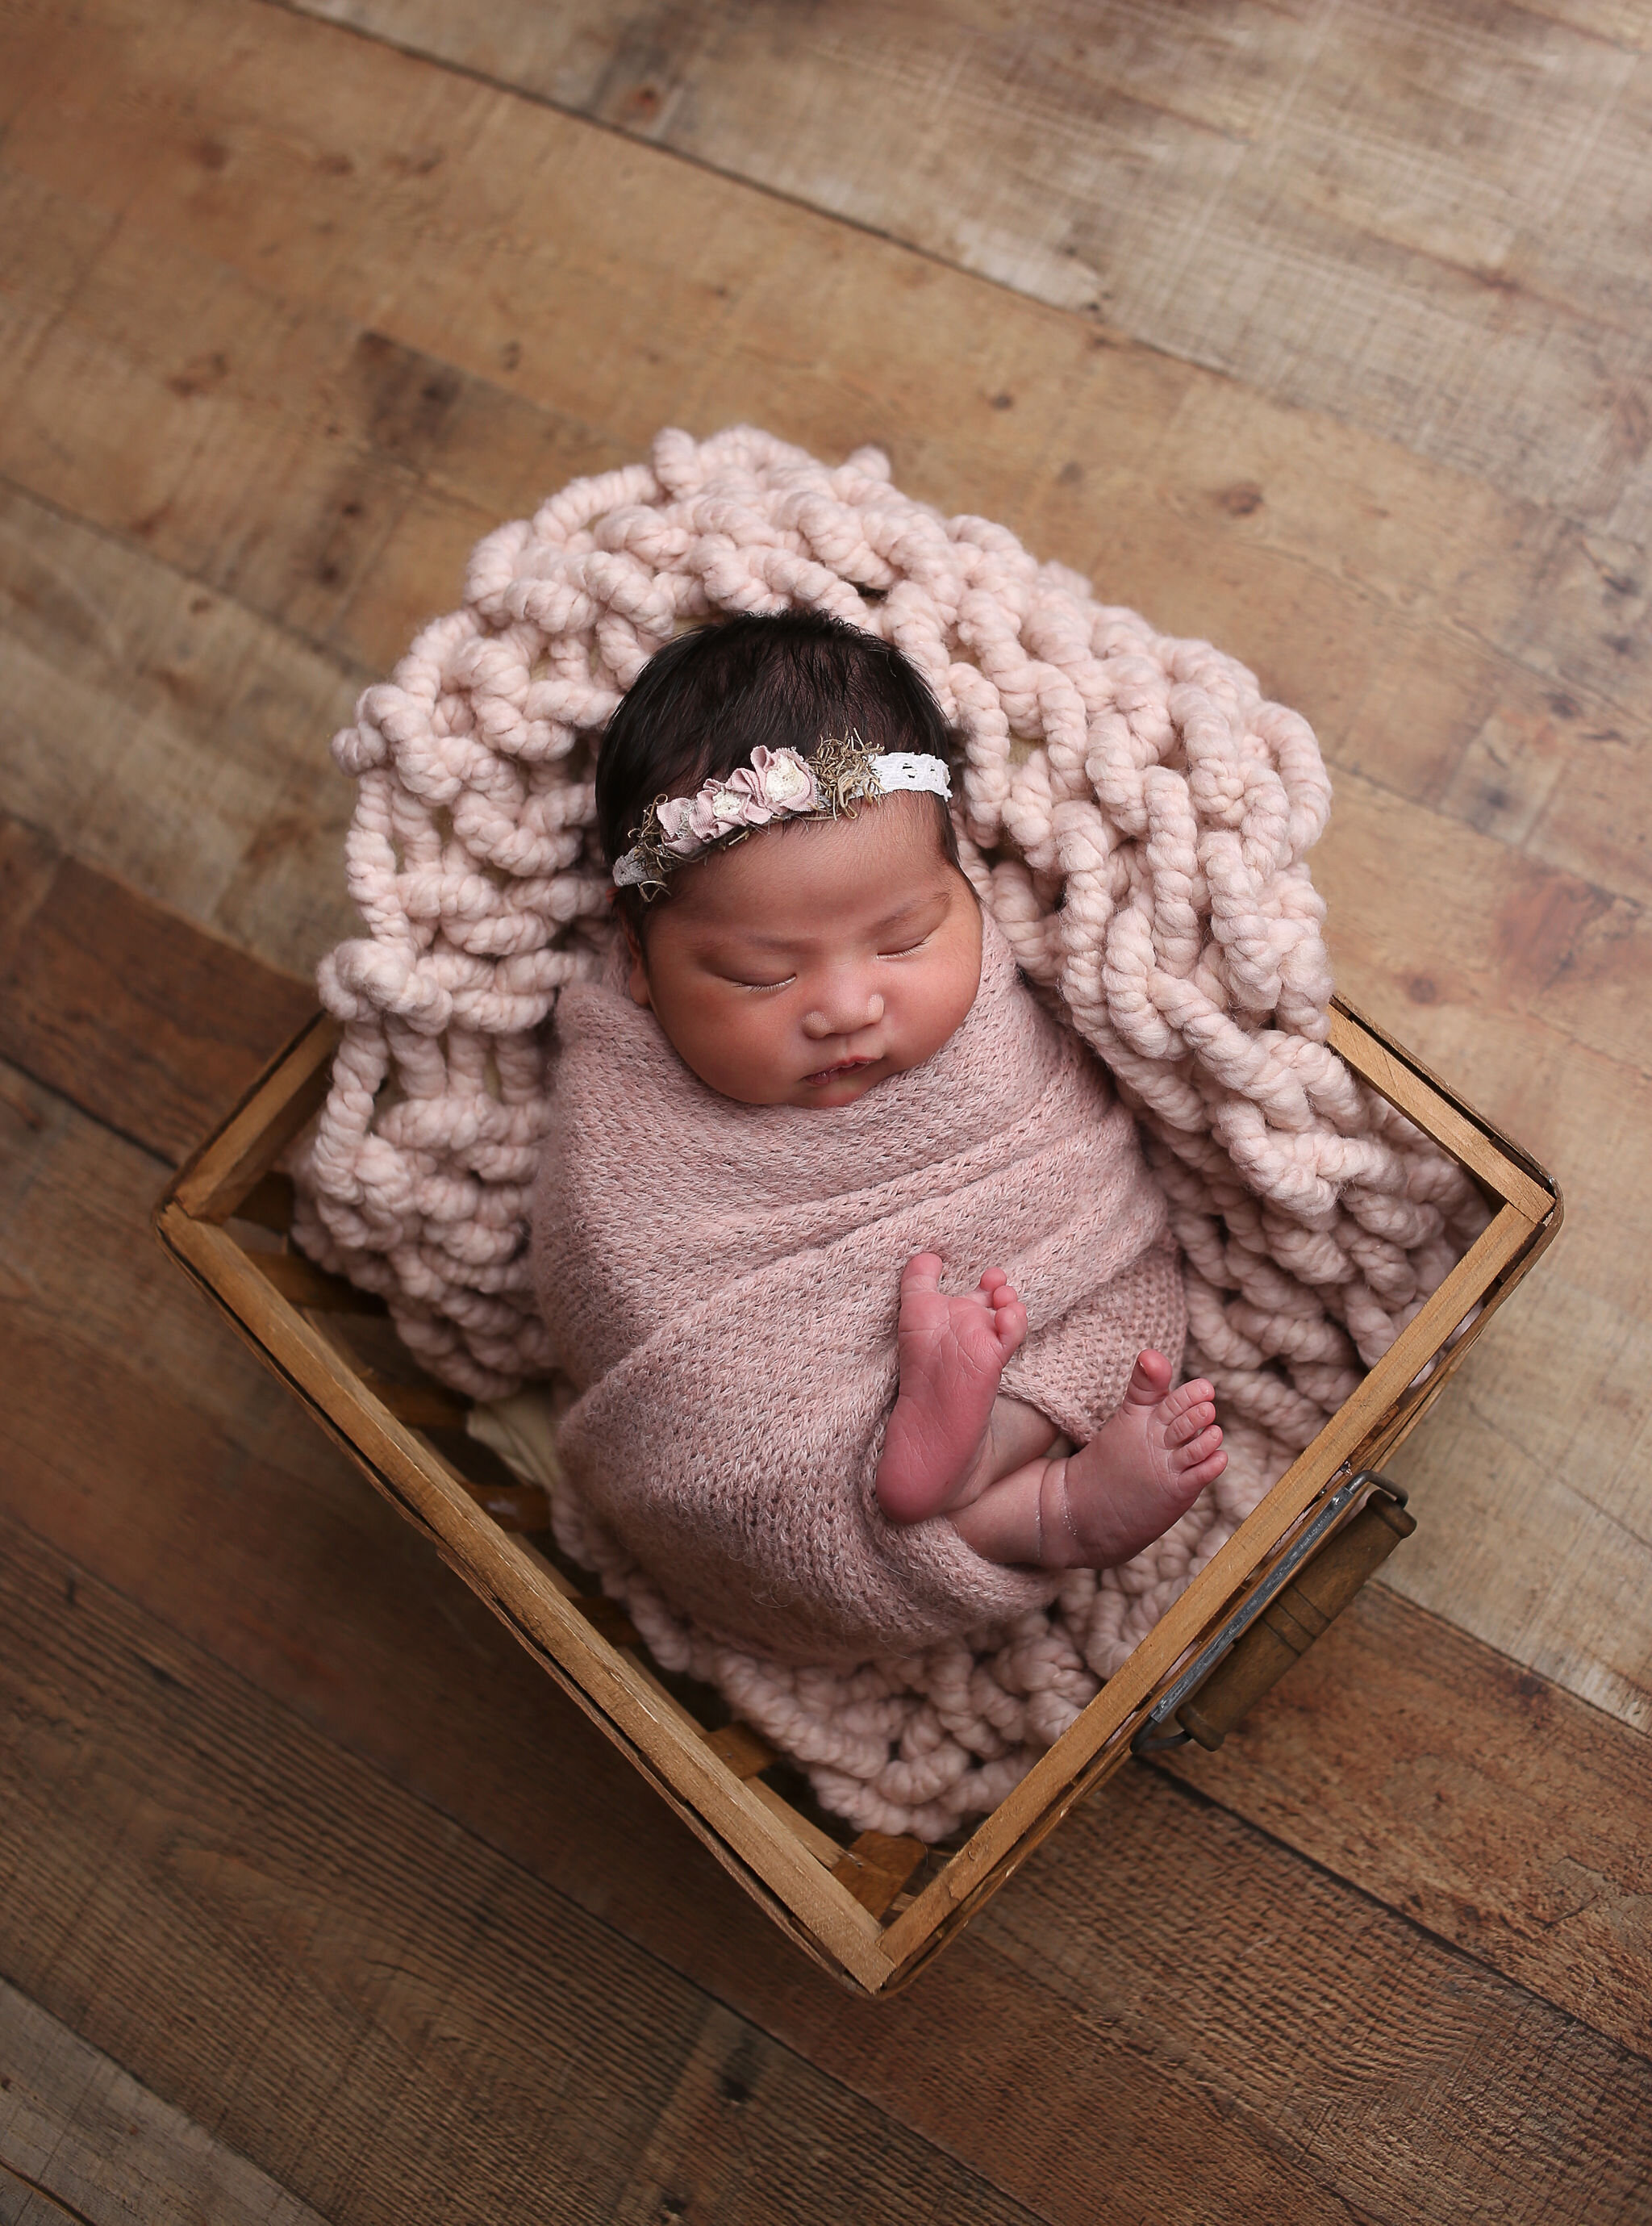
(756, 938)
(922, 902)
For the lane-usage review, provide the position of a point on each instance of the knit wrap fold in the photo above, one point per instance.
(721, 1283)
(1136, 817)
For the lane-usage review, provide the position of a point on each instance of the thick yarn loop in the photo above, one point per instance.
(1136, 817)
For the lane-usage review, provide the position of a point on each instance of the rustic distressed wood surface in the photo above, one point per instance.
(80, 2139)
(292, 1833)
(1374, 207)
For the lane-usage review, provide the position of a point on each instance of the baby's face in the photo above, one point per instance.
(803, 965)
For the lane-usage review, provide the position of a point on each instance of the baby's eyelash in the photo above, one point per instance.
(904, 950)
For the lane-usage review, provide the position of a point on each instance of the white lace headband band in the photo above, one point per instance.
(776, 784)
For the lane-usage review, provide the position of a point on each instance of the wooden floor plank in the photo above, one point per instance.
(1531, 1481)
(1445, 916)
(1316, 553)
(1533, 1498)
(154, 728)
(84, 2140)
(24, 2205)
(131, 1012)
(1428, 222)
(393, 2021)
(1466, 1792)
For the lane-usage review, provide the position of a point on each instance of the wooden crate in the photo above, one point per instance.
(872, 1910)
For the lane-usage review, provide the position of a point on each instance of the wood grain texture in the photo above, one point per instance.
(1530, 1480)
(172, 1842)
(311, 208)
(80, 2139)
(165, 733)
(167, 1849)
(22, 2203)
(1428, 221)
(132, 1012)
(1394, 1750)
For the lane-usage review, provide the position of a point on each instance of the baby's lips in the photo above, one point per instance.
(839, 1067)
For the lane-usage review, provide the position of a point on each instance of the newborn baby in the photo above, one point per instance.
(799, 934)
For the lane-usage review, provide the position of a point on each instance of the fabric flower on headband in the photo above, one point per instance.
(776, 784)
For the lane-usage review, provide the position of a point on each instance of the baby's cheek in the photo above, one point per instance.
(948, 1005)
(750, 1050)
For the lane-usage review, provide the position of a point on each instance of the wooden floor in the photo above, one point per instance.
(1322, 328)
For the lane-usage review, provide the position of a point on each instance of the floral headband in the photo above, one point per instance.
(777, 785)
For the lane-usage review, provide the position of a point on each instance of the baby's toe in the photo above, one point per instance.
(1149, 1379)
(1199, 1449)
(1195, 1478)
(1199, 1393)
(1187, 1425)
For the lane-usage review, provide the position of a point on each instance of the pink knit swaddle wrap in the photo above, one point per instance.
(721, 1284)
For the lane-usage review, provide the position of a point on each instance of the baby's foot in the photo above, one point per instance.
(952, 1353)
(1142, 1470)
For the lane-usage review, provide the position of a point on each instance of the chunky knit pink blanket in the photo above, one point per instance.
(1136, 817)
(720, 1283)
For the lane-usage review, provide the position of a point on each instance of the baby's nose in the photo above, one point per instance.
(844, 1014)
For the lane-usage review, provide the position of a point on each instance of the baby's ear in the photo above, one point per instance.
(637, 980)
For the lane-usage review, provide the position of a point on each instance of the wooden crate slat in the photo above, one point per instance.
(877, 1867)
(821, 1845)
(1465, 1137)
(215, 1182)
(421, 1404)
(739, 1749)
(306, 1285)
(269, 1204)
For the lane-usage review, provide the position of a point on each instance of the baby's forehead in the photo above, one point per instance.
(889, 856)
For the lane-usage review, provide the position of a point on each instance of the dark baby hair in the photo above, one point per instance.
(704, 703)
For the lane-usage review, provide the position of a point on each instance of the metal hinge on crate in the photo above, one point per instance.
(1294, 1629)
